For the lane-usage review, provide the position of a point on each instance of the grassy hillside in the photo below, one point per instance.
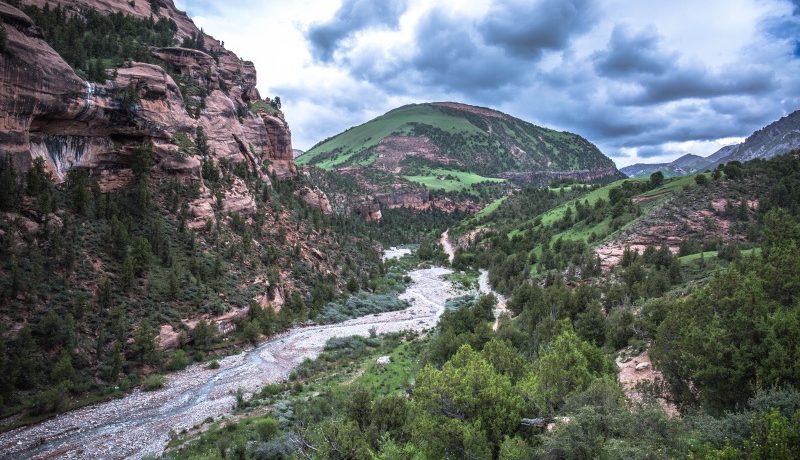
(477, 139)
(363, 137)
(449, 180)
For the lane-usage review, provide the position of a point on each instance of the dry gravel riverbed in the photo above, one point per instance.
(141, 423)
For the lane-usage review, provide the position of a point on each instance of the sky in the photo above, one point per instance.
(647, 81)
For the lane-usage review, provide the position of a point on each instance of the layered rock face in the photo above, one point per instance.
(48, 111)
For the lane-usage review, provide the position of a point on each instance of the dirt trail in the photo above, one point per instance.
(140, 423)
(485, 288)
(447, 246)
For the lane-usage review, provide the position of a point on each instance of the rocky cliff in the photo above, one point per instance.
(47, 110)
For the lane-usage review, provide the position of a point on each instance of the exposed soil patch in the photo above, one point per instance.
(700, 214)
(638, 370)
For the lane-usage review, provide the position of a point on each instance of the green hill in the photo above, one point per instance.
(413, 138)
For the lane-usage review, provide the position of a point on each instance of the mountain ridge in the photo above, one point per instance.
(777, 138)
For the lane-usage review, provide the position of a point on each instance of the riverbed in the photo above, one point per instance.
(141, 423)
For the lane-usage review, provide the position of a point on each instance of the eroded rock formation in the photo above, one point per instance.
(48, 111)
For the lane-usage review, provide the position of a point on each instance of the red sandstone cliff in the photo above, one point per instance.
(48, 111)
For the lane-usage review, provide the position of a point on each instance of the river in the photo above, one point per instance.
(141, 422)
(484, 287)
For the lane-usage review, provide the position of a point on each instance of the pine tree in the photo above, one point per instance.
(118, 360)
(144, 345)
(63, 372)
(38, 179)
(141, 255)
(9, 195)
(201, 142)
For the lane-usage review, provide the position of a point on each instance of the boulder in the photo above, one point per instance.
(316, 198)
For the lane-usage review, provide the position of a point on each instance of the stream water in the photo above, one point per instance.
(141, 422)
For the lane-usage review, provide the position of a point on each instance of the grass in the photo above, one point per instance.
(154, 382)
(567, 188)
(713, 255)
(557, 213)
(489, 209)
(602, 229)
(673, 184)
(395, 377)
(450, 180)
(583, 232)
(362, 137)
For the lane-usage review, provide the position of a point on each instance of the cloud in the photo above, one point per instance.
(630, 54)
(527, 28)
(450, 54)
(700, 83)
(636, 78)
(658, 75)
(352, 17)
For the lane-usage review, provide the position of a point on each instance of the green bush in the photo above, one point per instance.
(179, 360)
(153, 382)
(266, 428)
(50, 400)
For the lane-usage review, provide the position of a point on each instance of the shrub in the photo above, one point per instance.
(266, 428)
(50, 400)
(179, 360)
(213, 364)
(701, 179)
(357, 306)
(153, 382)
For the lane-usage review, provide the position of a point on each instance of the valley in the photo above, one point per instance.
(184, 276)
(142, 423)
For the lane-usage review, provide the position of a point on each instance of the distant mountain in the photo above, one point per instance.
(775, 139)
(454, 148)
(297, 152)
(687, 164)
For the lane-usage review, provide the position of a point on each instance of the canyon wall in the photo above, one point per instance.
(49, 111)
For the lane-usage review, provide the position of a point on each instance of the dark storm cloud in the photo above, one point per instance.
(453, 53)
(352, 16)
(527, 28)
(699, 83)
(630, 53)
(701, 128)
(450, 54)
